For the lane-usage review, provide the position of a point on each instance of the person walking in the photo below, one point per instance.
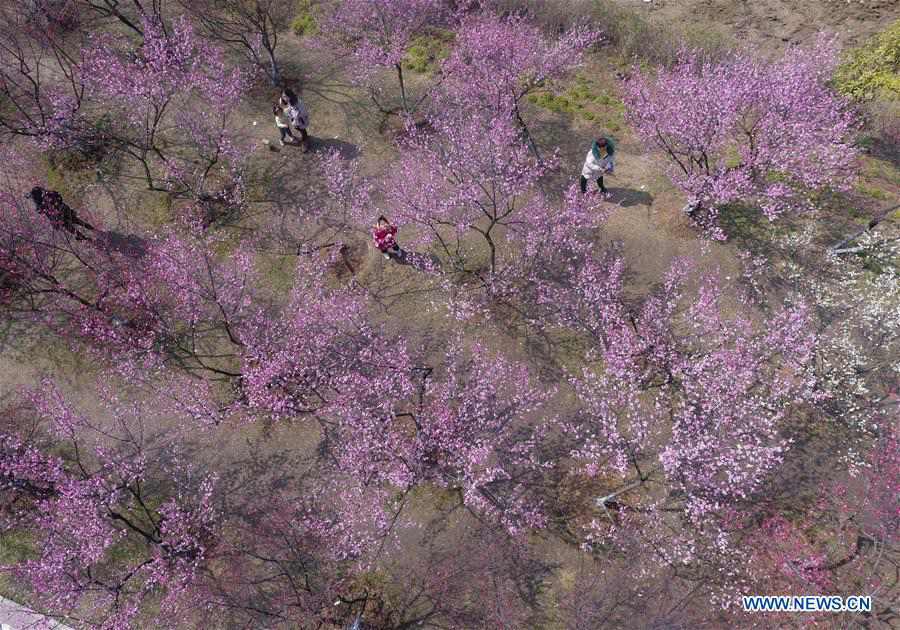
(283, 123)
(600, 161)
(385, 236)
(297, 113)
(50, 203)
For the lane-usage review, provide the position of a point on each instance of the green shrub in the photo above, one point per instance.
(873, 70)
(873, 192)
(427, 51)
(304, 22)
(585, 100)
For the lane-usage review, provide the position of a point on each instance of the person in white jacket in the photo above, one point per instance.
(600, 161)
(282, 123)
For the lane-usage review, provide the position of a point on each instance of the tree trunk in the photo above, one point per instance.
(402, 89)
(493, 247)
(531, 142)
(841, 248)
(274, 71)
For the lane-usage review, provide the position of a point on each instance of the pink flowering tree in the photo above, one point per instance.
(318, 356)
(449, 582)
(469, 188)
(97, 502)
(388, 421)
(682, 408)
(470, 176)
(497, 61)
(170, 299)
(377, 34)
(57, 16)
(288, 560)
(744, 130)
(471, 426)
(170, 100)
(844, 539)
(786, 558)
(251, 26)
(49, 272)
(880, 506)
(40, 80)
(861, 515)
(128, 528)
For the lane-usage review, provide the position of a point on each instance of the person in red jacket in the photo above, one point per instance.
(385, 236)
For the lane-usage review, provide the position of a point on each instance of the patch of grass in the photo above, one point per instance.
(125, 551)
(866, 142)
(304, 22)
(16, 546)
(154, 207)
(732, 157)
(68, 175)
(873, 192)
(427, 51)
(744, 222)
(586, 101)
(872, 263)
(279, 271)
(881, 169)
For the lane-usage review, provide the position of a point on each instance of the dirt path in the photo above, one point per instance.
(16, 617)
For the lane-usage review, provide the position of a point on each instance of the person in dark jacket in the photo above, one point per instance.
(50, 203)
(297, 113)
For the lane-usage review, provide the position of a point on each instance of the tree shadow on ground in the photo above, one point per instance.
(128, 245)
(626, 197)
(887, 151)
(347, 150)
(419, 261)
(322, 78)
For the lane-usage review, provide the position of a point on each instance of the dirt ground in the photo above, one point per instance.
(770, 24)
(646, 220)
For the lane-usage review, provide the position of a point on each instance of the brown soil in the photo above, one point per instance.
(770, 24)
(646, 220)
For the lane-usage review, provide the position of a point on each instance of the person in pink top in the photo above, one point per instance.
(385, 236)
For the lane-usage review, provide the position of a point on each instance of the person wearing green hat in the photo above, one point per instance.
(600, 161)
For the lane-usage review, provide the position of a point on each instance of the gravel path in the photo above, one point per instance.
(14, 616)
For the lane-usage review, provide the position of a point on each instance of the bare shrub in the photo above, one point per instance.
(884, 119)
(626, 30)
